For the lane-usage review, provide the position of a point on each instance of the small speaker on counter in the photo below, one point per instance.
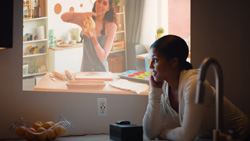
(124, 131)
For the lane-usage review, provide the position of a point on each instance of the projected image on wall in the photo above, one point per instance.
(96, 46)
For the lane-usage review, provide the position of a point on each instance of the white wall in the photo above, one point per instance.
(54, 20)
(155, 15)
(79, 108)
(221, 29)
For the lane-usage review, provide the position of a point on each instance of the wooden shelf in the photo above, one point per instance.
(34, 74)
(116, 51)
(34, 41)
(34, 19)
(30, 23)
(120, 31)
(119, 45)
(120, 13)
(35, 55)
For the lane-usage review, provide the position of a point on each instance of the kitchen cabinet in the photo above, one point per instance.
(66, 58)
(35, 38)
(119, 46)
(29, 83)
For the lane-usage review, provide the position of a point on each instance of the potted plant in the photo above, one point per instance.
(159, 33)
(116, 7)
(116, 2)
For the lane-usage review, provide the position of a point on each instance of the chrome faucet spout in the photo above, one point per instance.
(199, 97)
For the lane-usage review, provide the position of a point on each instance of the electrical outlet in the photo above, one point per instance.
(102, 107)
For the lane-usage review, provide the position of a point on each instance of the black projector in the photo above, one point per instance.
(124, 131)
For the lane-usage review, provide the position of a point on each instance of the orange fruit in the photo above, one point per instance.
(47, 125)
(51, 122)
(20, 130)
(37, 124)
(51, 134)
(43, 136)
(28, 135)
(60, 130)
(40, 129)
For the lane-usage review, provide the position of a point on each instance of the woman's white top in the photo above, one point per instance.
(193, 120)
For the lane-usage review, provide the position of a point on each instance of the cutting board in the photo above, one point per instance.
(70, 45)
(65, 45)
(78, 84)
(106, 76)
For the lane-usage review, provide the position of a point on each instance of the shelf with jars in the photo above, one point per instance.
(35, 38)
(34, 9)
(119, 46)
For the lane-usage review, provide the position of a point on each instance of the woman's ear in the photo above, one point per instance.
(175, 61)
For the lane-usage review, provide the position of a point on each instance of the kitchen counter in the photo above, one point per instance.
(47, 84)
(101, 138)
(66, 46)
(106, 138)
(93, 138)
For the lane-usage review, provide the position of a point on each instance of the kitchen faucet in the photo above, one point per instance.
(199, 97)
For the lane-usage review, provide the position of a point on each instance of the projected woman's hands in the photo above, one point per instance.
(86, 15)
(89, 24)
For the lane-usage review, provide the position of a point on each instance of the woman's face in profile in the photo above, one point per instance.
(102, 6)
(161, 67)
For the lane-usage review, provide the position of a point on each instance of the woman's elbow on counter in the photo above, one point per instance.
(148, 129)
(150, 134)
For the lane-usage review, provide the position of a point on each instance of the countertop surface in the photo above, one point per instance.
(47, 84)
(66, 46)
(98, 138)
(86, 138)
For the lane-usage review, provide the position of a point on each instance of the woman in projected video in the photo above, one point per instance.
(172, 113)
(98, 33)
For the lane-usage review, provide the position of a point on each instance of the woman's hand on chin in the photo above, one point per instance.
(155, 84)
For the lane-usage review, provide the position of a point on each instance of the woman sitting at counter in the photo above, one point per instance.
(172, 112)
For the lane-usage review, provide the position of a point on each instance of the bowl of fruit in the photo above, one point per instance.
(41, 131)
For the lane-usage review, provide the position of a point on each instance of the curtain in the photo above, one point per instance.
(134, 12)
(155, 15)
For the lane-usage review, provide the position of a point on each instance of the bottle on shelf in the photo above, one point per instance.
(33, 11)
(25, 11)
(37, 11)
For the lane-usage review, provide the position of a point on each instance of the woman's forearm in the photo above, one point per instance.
(103, 53)
(76, 17)
(152, 120)
(68, 16)
(72, 17)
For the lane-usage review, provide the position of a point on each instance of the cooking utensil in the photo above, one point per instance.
(52, 77)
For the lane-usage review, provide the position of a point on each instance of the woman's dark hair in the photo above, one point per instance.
(171, 46)
(110, 15)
